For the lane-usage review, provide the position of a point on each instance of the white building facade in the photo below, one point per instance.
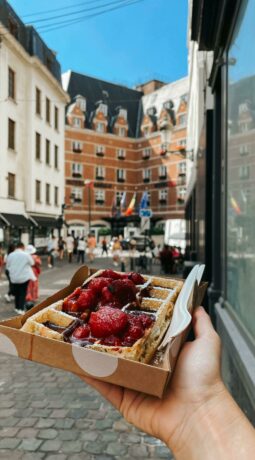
(32, 113)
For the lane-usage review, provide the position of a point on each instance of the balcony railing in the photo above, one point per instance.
(180, 200)
(121, 157)
(146, 179)
(77, 149)
(146, 157)
(100, 154)
(77, 200)
(162, 177)
(120, 179)
(162, 201)
(100, 202)
(100, 178)
(76, 174)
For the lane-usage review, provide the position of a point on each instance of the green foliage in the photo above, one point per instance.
(157, 231)
(104, 231)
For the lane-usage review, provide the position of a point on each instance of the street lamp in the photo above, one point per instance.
(89, 183)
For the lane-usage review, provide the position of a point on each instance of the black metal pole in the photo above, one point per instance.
(89, 199)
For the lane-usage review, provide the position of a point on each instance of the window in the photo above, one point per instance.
(56, 157)
(182, 167)
(37, 101)
(11, 185)
(77, 170)
(244, 149)
(102, 108)
(76, 122)
(182, 142)
(77, 147)
(99, 197)
(121, 154)
(56, 196)
(47, 194)
(100, 172)
(146, 153)
(11, 134)
(118, 197)
(77, 195)
(146, 175)
(162, 196)
(47, 152)
(11, 83)
(121, 175)
(182, 119)
(146, 130)
(244, 172)
(56, 118)
(47, 114)
(37, 146)
(100, 127)
(100, 150)
(181, 193)
(122, 131)
(162, 172)
(38, 191)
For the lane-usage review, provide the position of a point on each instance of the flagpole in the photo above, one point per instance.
(89, 203)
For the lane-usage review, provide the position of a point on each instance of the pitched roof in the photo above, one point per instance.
(112, 94)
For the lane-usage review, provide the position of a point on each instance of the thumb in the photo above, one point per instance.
(202, 323)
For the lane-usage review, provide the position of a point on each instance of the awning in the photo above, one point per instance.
(44, 221)
(14, 220)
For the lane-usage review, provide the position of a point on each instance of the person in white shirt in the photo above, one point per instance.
(81, 250)
(69, 247)
(19, 265)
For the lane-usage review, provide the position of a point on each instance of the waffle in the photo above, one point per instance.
(153, 306)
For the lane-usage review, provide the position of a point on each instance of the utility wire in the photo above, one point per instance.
(58, 16)
(62, 8)
(46, 29)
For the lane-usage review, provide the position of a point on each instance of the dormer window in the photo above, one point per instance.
(80, 101)
(168, 105)
(152, 111)
(100, 127)
(123, 113)
(76, 122)
(102, 108)
(122, 131)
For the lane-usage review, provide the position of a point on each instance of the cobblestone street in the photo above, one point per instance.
(50, 414)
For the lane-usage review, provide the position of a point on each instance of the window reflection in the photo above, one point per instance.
(241, 171)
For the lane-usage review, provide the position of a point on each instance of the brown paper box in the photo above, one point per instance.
(84, 362)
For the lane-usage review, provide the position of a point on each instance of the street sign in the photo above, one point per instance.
(145, 213)
(145, 224)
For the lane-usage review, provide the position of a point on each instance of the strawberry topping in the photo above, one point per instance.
(107, 321)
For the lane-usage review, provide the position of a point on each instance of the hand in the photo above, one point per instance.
(196, 383)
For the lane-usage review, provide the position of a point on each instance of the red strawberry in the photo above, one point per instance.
(146, 320)
(86, 299)
(124, 290)
(136, 278)
(107, 295)
(133, 334)
(107, 321)
(111, 341)
(111, 274)
(97, 284)
(70, 305)
(115, 303)
(81, 332)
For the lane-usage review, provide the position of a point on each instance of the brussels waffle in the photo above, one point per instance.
(124, 314)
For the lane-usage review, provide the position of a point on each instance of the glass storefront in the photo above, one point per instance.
(240, 236)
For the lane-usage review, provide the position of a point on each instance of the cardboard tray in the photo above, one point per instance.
(150, 379)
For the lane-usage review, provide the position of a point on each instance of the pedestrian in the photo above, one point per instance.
(104, 247)
(61, 248)
(197, 418)
(70, 247)
(116, 250)
(51, 250)
(9, 296)
(166, 259)
(19, 264)
(91, 242)
(1, 259)
(81, 248)
(33, 285)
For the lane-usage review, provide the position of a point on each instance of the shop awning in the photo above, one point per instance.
(44, 221)
(14, 220)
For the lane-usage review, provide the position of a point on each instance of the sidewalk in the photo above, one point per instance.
(50, 414)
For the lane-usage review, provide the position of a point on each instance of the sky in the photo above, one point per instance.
(129, 45)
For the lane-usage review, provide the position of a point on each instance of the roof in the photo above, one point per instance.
(30, 40)
(112, 94)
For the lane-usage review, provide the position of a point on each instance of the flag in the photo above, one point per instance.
(144, 201)
(131, 206)
(235, 205)
(123, 202)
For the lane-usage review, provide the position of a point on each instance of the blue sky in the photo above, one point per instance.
(128, 46)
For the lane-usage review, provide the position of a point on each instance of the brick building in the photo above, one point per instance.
(123, 140)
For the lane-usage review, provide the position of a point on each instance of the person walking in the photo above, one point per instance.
(52, 247)
(9, 296)
(19, 265)
(61, 247)
(116, 250)
(81, 250)
(33, 285)
(91, 246)
(70, 247)
(104, 247)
